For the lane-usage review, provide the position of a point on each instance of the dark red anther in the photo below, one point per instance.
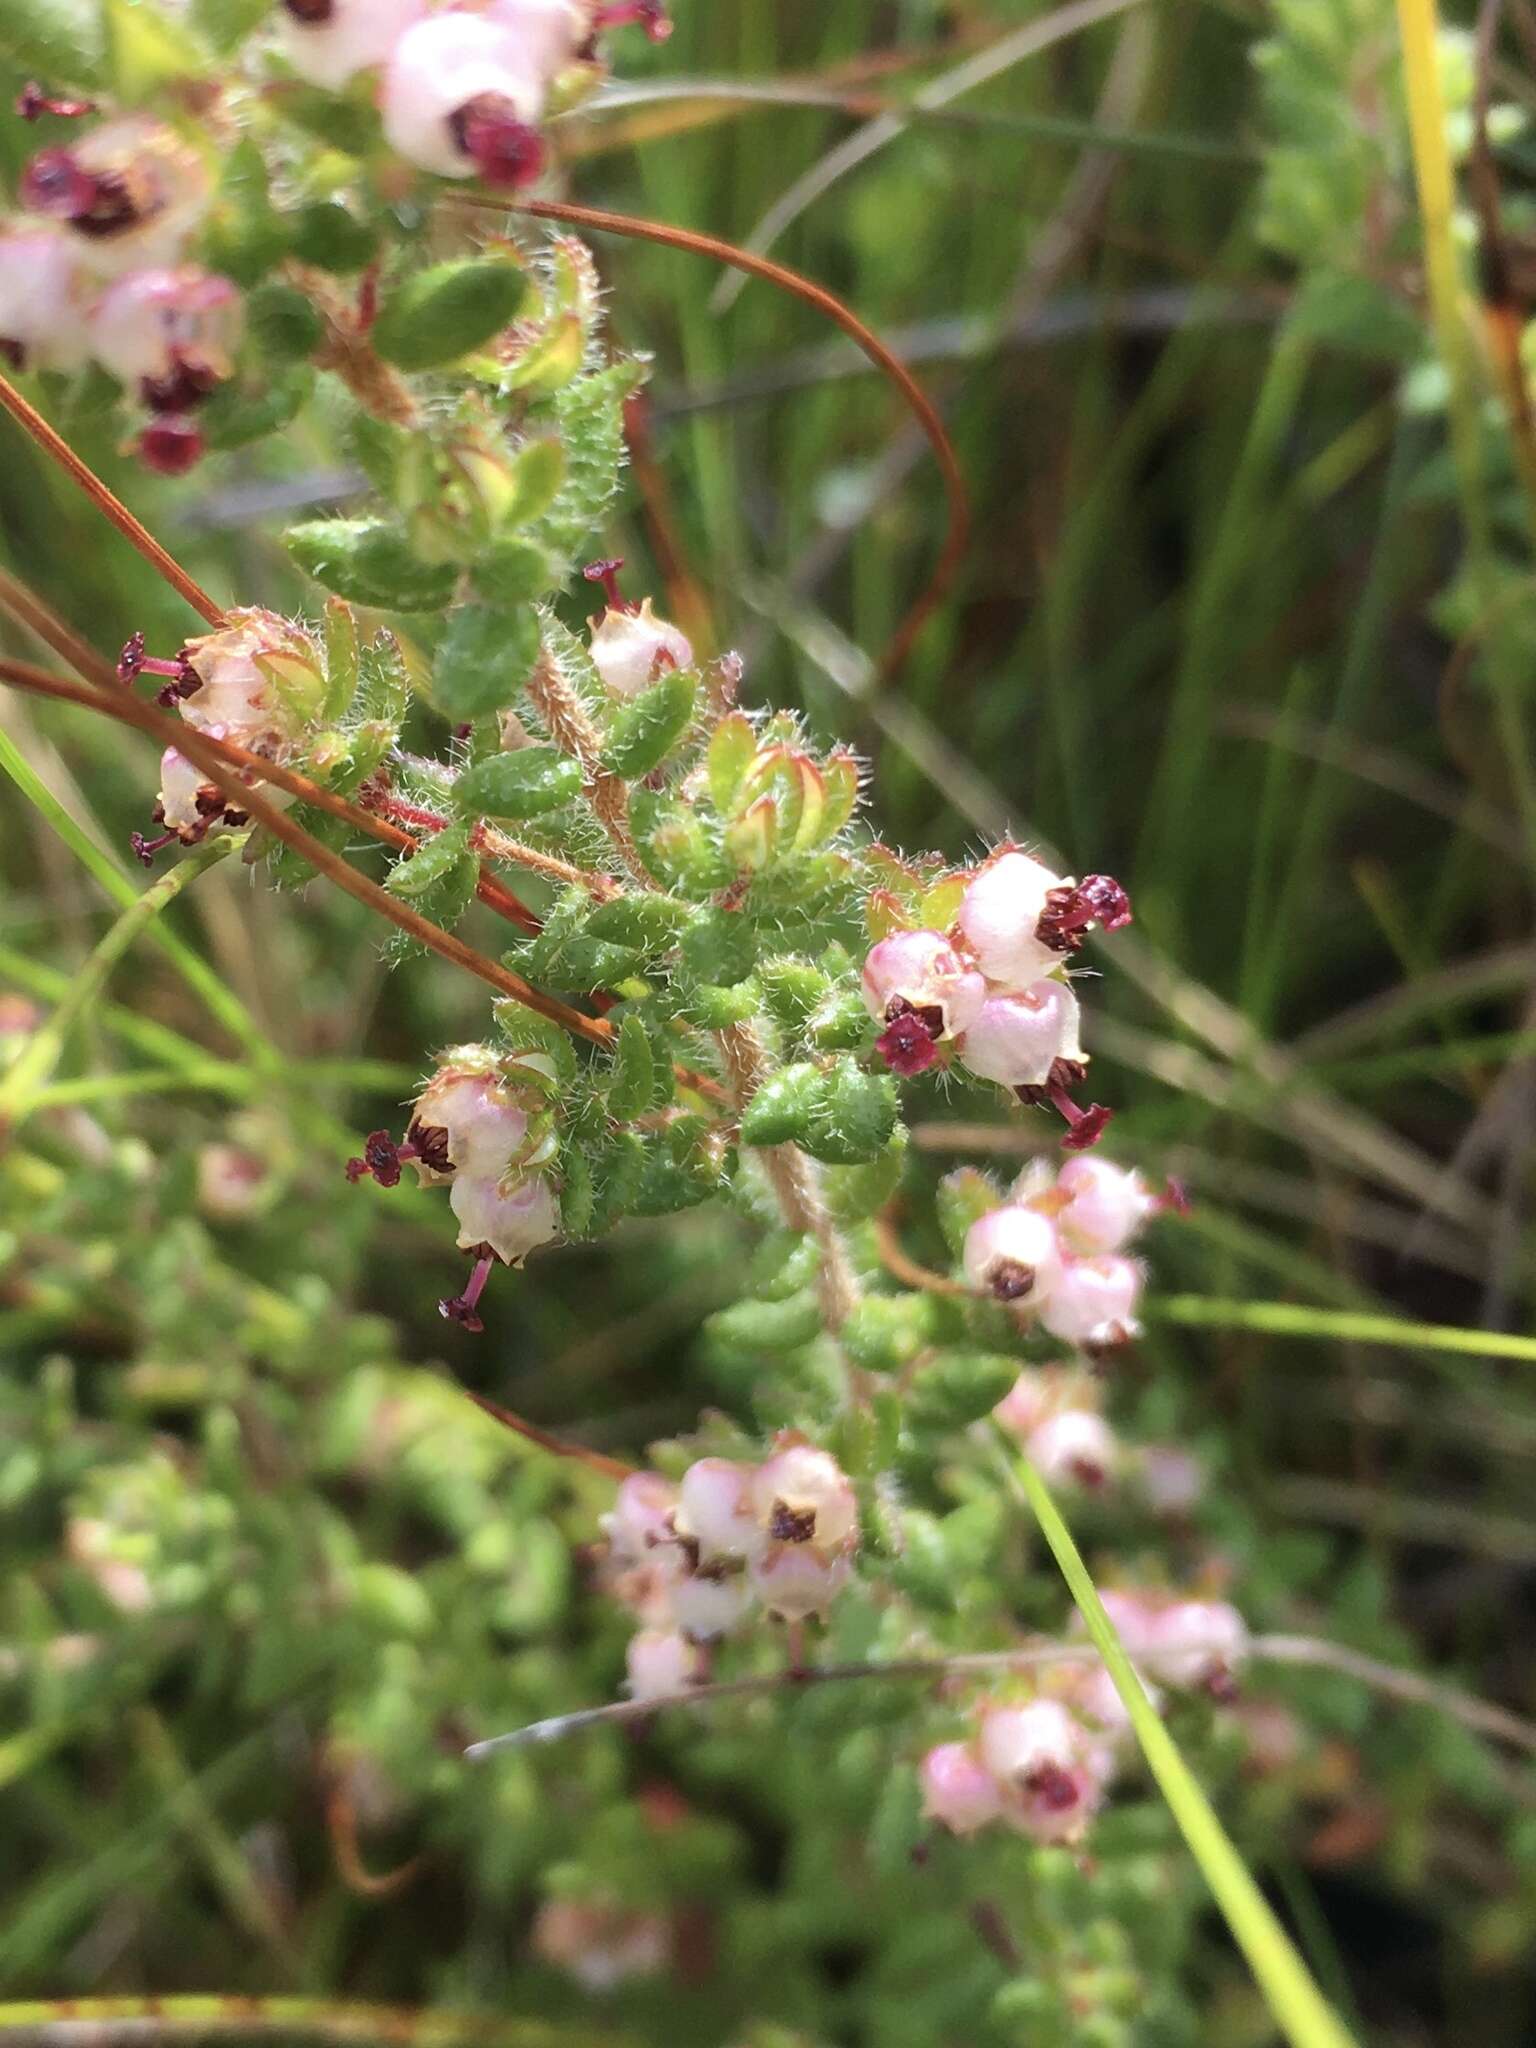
(131, 660)
(171, 445)
(368, 298)
(1085, 1127)
(186, 383)
(144, 850)
(1053, 1786)
(313, 13)
(382, 1158)
(32, 102)
(1068, 912)
(503, 147)
(1010, 1280)
(1221, 1684)
(461, 1308)
(1174, 1200)
(607, 573)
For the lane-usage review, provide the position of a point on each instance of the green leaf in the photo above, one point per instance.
(963, 1198)
(282, 322)
(342, 658)
(523, 784)
(852, 1116)
(648, 924)
(514, 572)
(632, 1084)
(792, 989)
(234, 417)
(956, 1388)
(442, 313)
(885, 1332)
(537, 472)
(371, 561)
(226, 23)
(147, 51)
(617, 1167)
(780, 1112)
(246, 235)
(855, 1193)
(59, 40)
(767, 1325)
(731, 752)
(590, 416)
(720, 946)
(435, 859)
(645, 729)
(484, 659)
(325, 234)
(527, 1034)
(1303, 2014)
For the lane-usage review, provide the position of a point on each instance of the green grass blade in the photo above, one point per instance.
(1302, 2013)
(1296, 1319)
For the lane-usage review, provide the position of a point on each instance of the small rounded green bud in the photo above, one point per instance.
(442, 313)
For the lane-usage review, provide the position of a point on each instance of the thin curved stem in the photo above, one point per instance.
(827, 303)
(53, 444)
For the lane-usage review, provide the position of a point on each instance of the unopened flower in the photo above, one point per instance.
(716, 1509)
(167, 334)
(42, 325)
(1200, 1643)
(1094, 1302)
(917, 985)
(958, 1789)
(130, 193)
(1034, 1395)
(1171, 1478)
(232, 1183)
(659, 1662)
(1105, 1207)
(632, 648)
(1018, 1038)
(1012, 1254)
(329, 41)
(1073, 1448)
(460, 98)
(803, 1496)
(601, 1945)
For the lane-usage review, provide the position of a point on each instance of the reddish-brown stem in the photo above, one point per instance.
(341, 1826)
(224, 764)
(922, 1278)
(562, 1447)
(54, 444)
(825, 302)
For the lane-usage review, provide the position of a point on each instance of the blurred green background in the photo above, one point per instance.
(1160, 270)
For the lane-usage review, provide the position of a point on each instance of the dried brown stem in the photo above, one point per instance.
(571, 728)
(347, 350)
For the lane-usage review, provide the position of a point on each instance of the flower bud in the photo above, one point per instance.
(1074, 1448)
(232, 1183)
(716, 1509)
(632, 649)
(1014, 1741)
(1198, 1643)
(329, 41)
(1094, 1302)
(958, 1790)
(999, 914)
(659, 1662)
(1106, 1205)
(918, 986)
(42, 324)
(1016, 1039)
(168, 334)
(130, 193)
(802, 1496)
(1052, 1777)
(641, 1520)
(460, 99)
(467, 1117)
(1012, 1254)
(1033, 1396)
(514, 1217)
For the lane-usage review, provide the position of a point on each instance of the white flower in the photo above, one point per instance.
(999, 915)
(1016, 1039)
(1074, 1448)
(461, 99)
(329, 41)
(716, 1509)
(659, 1662)
(1106, 1206)
(130, 194)
(514, 1217)
(632, 649)
(168, 333)
(1094, 1302)
(1012, 1253)
(706, 1604)
(919, 987)
(1016, 1741)
(42, 323)
(549, 33)
(640, 1523)
(795, 1580)
(182, 784)
(802, 1496)
(958, 1790)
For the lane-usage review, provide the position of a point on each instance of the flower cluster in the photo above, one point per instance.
(1044, 1765)
(692, 1559)
(1055, 1251)
(481, 1129)
(992, 986)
